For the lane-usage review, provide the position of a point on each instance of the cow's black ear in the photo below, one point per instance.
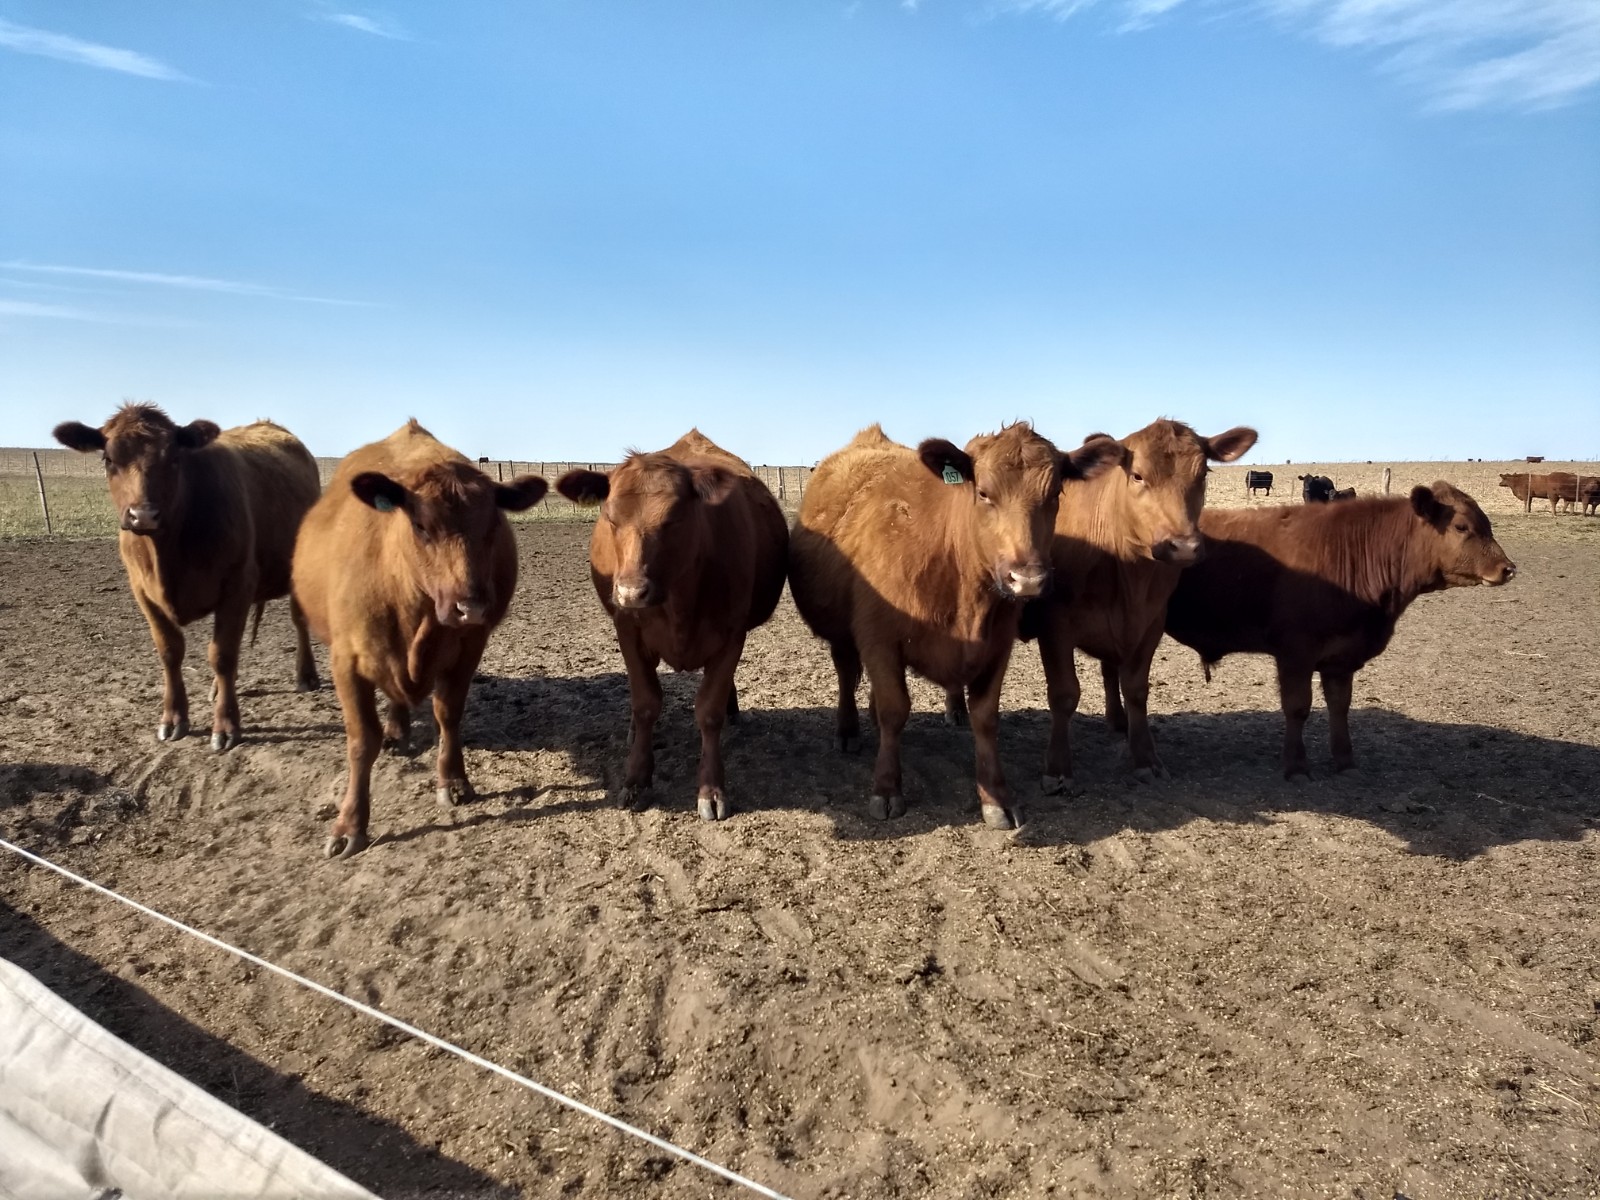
(584, 487)
(376, 490)
(1426, 505)
(946, 460)
(1226, 447)
(196, 434)
(75, 435)
(521, 493)
(1094, 457)
(713, 484)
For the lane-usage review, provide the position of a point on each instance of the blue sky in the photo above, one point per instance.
(554, 229)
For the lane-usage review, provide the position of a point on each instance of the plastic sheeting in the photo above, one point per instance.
(85, 1116)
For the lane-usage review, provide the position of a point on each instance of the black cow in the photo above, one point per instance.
(1345, 494)
(1315, 489)
(1257, 479)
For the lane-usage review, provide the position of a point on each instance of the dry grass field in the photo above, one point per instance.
(1222, 985)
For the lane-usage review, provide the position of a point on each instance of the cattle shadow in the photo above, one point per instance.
(373, 1152)
(1448, 790)
(22, 782)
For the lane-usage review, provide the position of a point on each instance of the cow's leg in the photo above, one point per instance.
(168, 638)
(362, 736)
(710, 712)
(955, 707)
(1061, 687)
(1116, 715)
(993, 799)
(644, 694)
(847, 723)
(1134, 675)
(733, 704)
(397, 727)
(1294, 690)
(227, 635)
(891, 704)
(450, 688)
(305, 665)
(1337, 687)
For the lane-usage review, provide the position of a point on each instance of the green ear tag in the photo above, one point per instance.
(951, 475)
(383, 504)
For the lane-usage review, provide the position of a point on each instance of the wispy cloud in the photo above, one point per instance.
(198, 283)
(1524, 54)
(377, 26)
(60, 46)
(59, 312)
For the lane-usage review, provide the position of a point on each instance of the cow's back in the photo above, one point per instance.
(280, 483)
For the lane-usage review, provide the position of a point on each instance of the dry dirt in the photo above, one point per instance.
(1222, 985)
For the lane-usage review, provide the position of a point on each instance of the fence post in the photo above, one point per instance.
(1386, 474)
(1527, 500)
(44, 503)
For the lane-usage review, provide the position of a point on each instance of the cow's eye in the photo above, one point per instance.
(1461, 527)
(1137, 478)
(984, 496)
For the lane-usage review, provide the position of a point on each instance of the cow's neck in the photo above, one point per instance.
(1385, 558)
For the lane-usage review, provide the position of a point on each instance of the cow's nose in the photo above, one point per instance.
(631, 594)
(142, 518)
(1181, 551)
(1027, 581)
(472, 611)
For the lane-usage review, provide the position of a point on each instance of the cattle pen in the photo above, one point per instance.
(1218, 984)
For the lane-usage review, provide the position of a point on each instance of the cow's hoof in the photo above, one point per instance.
(847, 743)
(996, 817)
(881, 808)
(397, 745)
(714, 806)
(1155, 774)
(345, 845)
(171, 733)
(457, 791)
(223, 740)
(1058, 785)
(634, 797)
(309, 684)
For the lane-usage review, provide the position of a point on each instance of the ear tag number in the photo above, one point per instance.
(383, 504)
(951, 475)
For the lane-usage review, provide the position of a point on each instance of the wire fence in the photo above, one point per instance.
(59, 491)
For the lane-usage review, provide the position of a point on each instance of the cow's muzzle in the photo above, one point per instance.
(1180, 552)
(634, 593)
(141, 518)
(1024, 581)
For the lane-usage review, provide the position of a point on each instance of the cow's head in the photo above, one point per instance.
(649, 504)
(1459, 540)
(144, 454)
(452, 515)
(1164, 483)
(1012, 482)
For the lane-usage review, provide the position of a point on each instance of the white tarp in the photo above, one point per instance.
(85, 1116)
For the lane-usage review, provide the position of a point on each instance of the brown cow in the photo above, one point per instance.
(403, 568)
(1552, 486)
(208, 519)
(1320, 589)
(688, 556)
(1121, 540)
(918, 558)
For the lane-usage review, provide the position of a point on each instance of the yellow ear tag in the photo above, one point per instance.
(383, 504)
(951, 475)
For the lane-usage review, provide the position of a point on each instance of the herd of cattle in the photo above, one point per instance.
(1558, 487)
(1314, 489)
(935, 559)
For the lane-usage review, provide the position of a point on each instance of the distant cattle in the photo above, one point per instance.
(688, 556)
(208, 520)
(919, 559)
(1552, 486)
(1315, 489)
(1344, 494)
(403, 568)
(1320, 589)
(1121, 541)
(1255, 481)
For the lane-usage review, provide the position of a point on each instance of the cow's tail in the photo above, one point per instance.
(1205, 668)
(255, 625)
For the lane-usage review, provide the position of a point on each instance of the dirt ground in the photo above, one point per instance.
(1221, 985)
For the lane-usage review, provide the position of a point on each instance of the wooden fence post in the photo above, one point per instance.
(1527, 500)
(1387, 472)
(44, 503)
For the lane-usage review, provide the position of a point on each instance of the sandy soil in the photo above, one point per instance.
(1223, 985)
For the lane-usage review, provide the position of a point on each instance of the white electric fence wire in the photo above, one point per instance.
(419, 1034)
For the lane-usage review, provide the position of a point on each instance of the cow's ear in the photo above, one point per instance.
(1094, 457)
(378, 491)
(1427, 506)
(196, 434)
(75, 435)
(584, 487)
(1226, 447)
(521, 493)
(713, 484)
(946, 460)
